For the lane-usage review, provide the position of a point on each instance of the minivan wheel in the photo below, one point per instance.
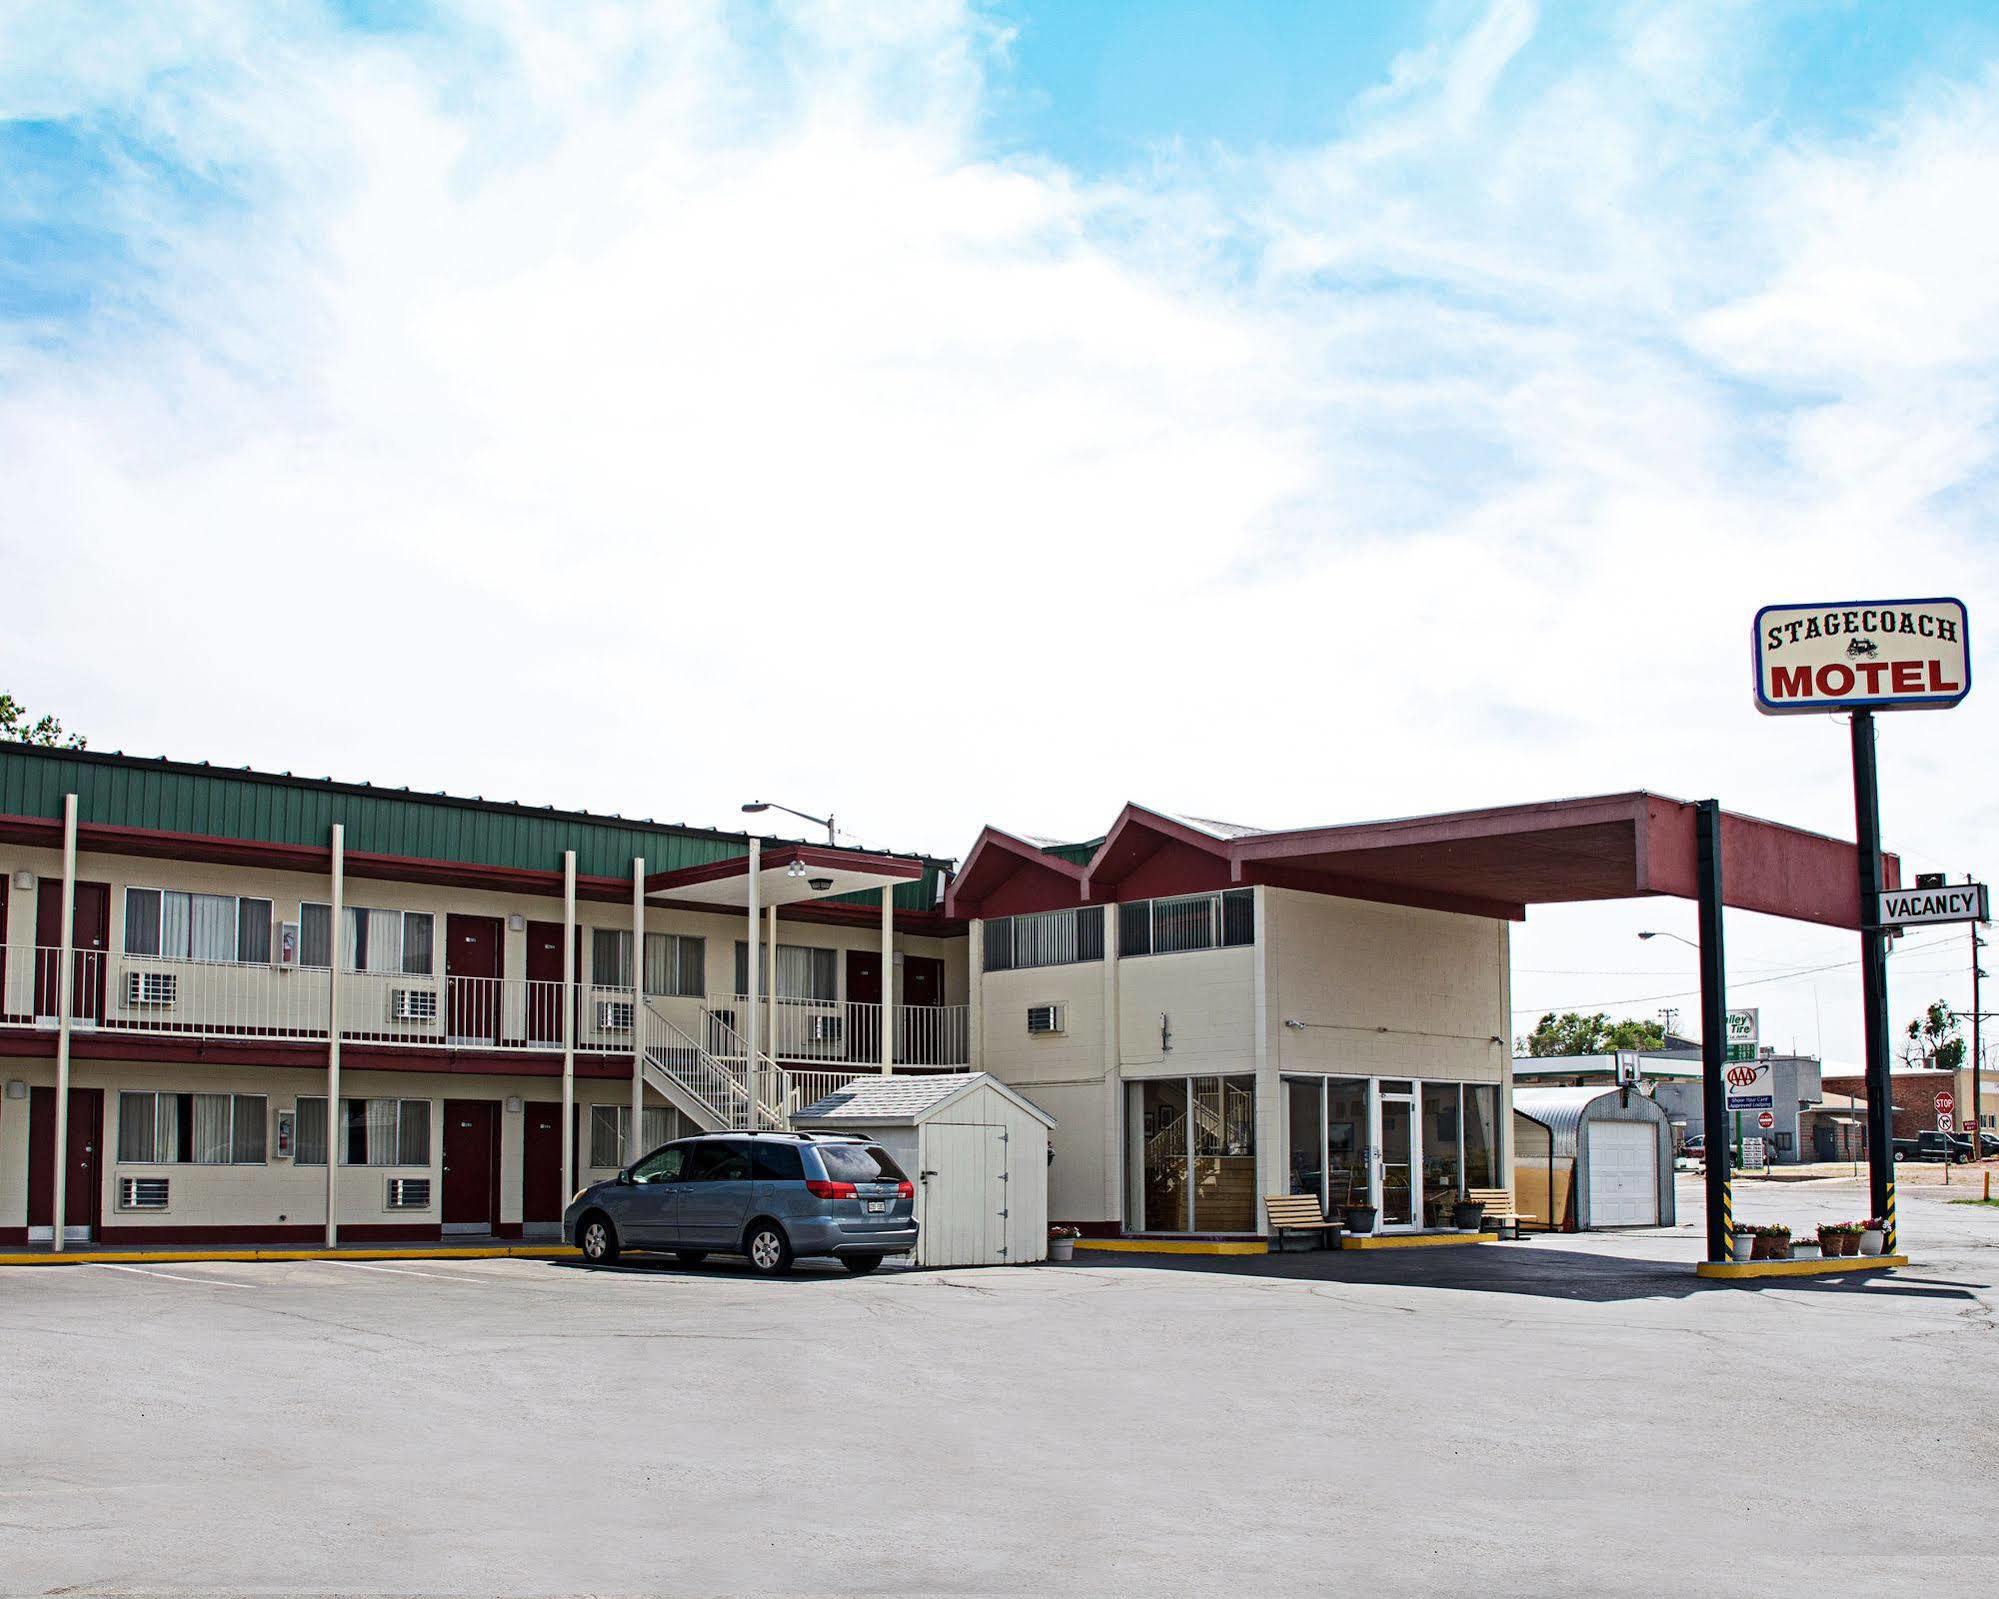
(769, 1250)
(597, 1238)
(860, 1265)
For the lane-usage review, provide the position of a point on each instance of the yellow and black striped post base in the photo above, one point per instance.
(1888, 1215)
(1727, 1217)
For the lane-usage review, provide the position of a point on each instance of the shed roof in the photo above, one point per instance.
(1562, 1110)
(903, 1101)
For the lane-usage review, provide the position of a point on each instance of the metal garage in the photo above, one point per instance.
(979, 1153)
(1603, 1154)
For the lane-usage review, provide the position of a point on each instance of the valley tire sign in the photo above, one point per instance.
(1850, 655)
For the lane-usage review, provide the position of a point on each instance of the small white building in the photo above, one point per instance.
(978, 1152)
(1599, 1156)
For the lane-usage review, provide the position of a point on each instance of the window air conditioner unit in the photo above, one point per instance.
(826, 1029)
(409, 1193)
(412, 1004)
(1044, 1018)
(158, 989)
(142, 1193)
(614, 1015)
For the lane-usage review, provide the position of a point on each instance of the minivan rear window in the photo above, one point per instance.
(859, 1163)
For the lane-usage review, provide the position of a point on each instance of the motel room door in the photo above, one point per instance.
(545, 981)
(541, 1162)
(471, 1165)
(472, 973)
(90, 937)
(83, 1197)
(864, 1006)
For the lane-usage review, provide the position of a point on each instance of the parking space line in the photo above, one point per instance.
(404, 1271)
(175, 1277)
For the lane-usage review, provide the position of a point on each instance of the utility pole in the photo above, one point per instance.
(1874, 979)
(1977, 1055)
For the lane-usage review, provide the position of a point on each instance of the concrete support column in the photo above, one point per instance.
(65, 1004)
(635, 1143)
(569, 976)
(770, 949)
(1272, 1157)
(334, 1140)
(975, 1011)
(753, 964)
(1113, 1070)
(888, 977)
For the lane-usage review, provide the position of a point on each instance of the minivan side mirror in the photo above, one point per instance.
(624, 1177)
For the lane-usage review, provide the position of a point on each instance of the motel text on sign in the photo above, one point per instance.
(1862, 654)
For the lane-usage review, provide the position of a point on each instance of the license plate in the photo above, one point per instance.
(877, 1207)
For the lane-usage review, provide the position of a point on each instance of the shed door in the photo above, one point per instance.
(964, 1193)
(1623, 1174)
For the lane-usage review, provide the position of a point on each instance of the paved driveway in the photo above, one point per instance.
(1571, 1415)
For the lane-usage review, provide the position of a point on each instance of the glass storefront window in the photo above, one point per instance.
(1347, 1178)
(1163, 1109)
(1442, 1170)
(1225, 1154)
(1482, 1137)
(1305, 1102)
(1194, 1154)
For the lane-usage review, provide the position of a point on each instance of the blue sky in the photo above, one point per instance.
(1364, 409)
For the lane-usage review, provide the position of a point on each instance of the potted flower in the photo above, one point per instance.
(1849, 1238)
(1874, 1236)
(1773, 1243)
(1468, 1215)
(1360, 1219)
(1831, 1237)
(1743, 1245)
(1805, 1248)
(1062, 1242)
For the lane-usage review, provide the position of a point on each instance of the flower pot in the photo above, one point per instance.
(1742, 1246)
(1061, 1249)
(1468, 1215)
(1873, 1241)
(1805, 1249)
(1360, 1219)
(1849, 1243)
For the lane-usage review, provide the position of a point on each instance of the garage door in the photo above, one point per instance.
(1623, 1174)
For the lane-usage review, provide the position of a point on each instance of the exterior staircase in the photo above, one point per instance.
(716, 1089)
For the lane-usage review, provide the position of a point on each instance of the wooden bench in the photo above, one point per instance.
(1297, 1213)
(1498, 1204)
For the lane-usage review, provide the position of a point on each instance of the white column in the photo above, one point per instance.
(65, 979)
(770, 1005)
(334, 1140)
(568, 1001)
(888, 977)
(975, 987)
(750, 976)
(635, 1142)
(1115, 1148)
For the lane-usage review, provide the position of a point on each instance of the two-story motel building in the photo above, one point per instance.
(245, 1007)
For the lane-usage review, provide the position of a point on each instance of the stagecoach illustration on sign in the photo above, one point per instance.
(1862, 647)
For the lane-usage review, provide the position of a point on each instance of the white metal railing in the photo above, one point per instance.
(756, 1095)
(815, 1030)
(813, 1084)
(148, 995)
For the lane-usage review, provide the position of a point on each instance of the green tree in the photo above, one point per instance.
(1936, 1038)
(1574, 1034)
(16, 725)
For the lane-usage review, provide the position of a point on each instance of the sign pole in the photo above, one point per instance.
(1874, 979)
(1977, 1055)
(1714, 1030)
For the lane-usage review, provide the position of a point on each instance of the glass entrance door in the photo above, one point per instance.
(1400, 1198)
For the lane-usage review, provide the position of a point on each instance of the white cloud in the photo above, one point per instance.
(637, 413)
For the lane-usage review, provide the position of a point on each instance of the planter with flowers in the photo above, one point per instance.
(1062, 1242)
(1874, 1236)
(1742, 1246)
(1838, 1238)
(1805, 1248)
(1772, 1243)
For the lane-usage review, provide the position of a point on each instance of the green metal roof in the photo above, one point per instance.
(1078, 854)
(276, 808)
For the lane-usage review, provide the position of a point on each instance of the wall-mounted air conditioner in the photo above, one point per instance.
(1044, 1018)
(409, 1193)
(142, 1193)
(827, 1029)
(156, 990)
(614, 1015)
(412, 1004)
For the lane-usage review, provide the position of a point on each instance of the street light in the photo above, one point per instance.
(1686, 941)
(757, 807)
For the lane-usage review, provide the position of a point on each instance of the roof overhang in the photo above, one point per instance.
(1008, 873)
(788, 875)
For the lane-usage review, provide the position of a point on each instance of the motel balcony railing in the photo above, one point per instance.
(816, 1032)
(146, 996)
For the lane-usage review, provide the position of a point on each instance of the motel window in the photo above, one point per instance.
(169, 924)
(373, 1132)
(676, 965)
(1045, 938)
(610, 1123)
(1187, 921)
(374, 941)
(191, 1129)
(802, 972)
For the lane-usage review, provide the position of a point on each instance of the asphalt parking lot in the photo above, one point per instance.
(1573, 1414)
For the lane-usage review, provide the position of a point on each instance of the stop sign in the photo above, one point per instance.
(1766, 1121)
(1946, 1102)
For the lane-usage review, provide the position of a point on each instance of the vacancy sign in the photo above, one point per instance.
(1879, 655)
(1911, 907)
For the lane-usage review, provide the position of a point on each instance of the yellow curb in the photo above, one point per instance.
(1177, 1246)
(1736, 1269)
(1414, 1240)
(116, 1257)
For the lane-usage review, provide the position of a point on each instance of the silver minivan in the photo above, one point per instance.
(770, 1197)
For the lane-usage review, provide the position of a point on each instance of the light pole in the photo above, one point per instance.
(1654, 933)
(756, 807)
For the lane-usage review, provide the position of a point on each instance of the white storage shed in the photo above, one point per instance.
(1614, 1146)
(978, 1152)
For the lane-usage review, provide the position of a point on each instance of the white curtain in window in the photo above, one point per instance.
(381, 1132)
(211, 1129)
(135, 1128)
(607, 1134)
(166, 1127)
(211, 927)
(173, 926)
(413, 1138)
(310, 1133)
(374, 940)
(246, 1144)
